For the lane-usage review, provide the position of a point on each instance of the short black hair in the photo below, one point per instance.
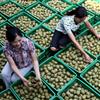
(79, 12)
(11, 33)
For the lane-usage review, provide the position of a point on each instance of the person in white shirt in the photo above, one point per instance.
(66, 28)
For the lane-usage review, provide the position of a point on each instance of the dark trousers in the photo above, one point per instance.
(60, 39)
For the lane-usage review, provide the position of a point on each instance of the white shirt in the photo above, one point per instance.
(67, 25)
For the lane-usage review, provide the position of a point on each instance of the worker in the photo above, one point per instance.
(21, 57)
(67, 28)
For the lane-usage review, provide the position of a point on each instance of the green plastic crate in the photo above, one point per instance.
(78, 90)
(91, 75)
(49, 91)
(8, 95)
(40, 11)
(2, 18)
(76, 1)
(53, 76)
(73, 59)
(41, 36)
(25, 4)
(91, 6)
(58, 5)
(56, 98)
(52, 21)
(24, 22)
(9, 12)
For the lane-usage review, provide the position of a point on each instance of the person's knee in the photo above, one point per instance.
(53, 49)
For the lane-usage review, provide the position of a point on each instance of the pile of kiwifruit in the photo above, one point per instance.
(7, 96)
(25, 2)
(92, 5)
(42, 37)
(77, 92)
(35, 90)
(93, 76)
(3, 61)
(58, 4)
(9, 9)
(40, 12)
(1, 19)
(24, 23)
(73, 57)
(53, 22)
(56, 74)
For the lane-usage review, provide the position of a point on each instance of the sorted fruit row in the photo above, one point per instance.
(42, 37)
(91, 43)
(71, 56)
(9, 9)
(92, 5)
(7, 96)
(77, 92)
(25, 2)
(3, 61)
(35, 90)
(56, 74)
(58, 4)
(24, 23)
(41, 12)
(93, 76)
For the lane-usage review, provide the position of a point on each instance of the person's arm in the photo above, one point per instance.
(89, 26)
(35, 65)
(72, 37)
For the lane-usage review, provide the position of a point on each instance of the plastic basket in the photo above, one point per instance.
(52, 21)
(24, 21)
(41, 36)
(8, 94)
(58, 6)
(42, 14)
(73, 58)
(25, 4)
(48, 73)
(15, 8)
(18, 93)
(90, 75)
(2, 19)
(56, 98)
(78, 90)
(90, 6)
(76, 1)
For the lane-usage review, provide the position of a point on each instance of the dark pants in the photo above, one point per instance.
(59, 39)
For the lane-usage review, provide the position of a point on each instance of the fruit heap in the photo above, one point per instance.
(7, 96)
(35, 90)
(91, 43)
(1, 19)
(92, 5)
(56, 74)
(77, 92)
(42, 36)
(71, 56)
(3, 61)
(53, 22)
(58, 4)
(40, 12)
(2, 34)
(74, 1)
(93, 76)
(9, 9)
(24, 23)
(25, 2)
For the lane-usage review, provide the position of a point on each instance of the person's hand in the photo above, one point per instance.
(98, 35)
(87, 58)
(25, 82)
